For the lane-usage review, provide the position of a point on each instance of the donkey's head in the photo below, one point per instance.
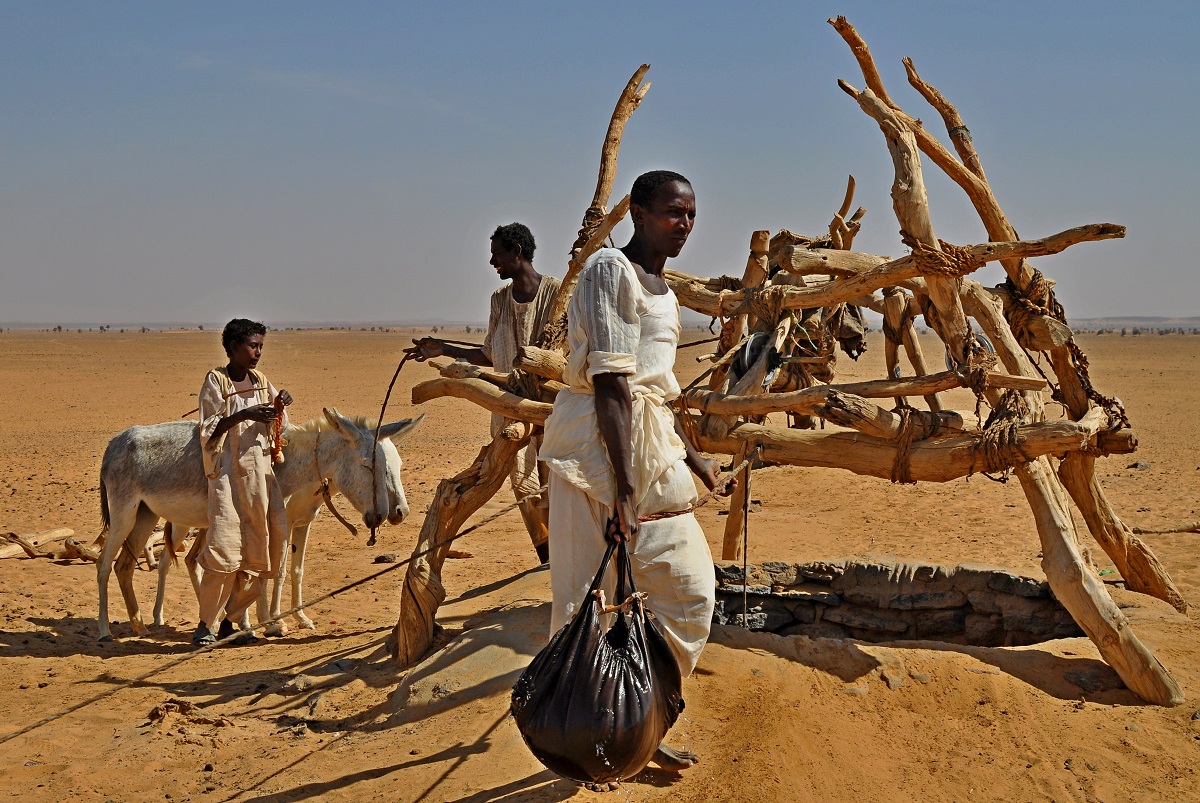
(378, 496)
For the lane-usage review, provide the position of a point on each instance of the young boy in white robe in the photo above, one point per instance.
(616, 450)
(246, 524)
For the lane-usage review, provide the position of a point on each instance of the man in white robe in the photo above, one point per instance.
(616, 451)
(247, 528)
(519, 312)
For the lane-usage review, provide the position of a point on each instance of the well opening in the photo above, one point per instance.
(882, 600)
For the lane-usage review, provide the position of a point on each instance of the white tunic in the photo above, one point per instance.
(246, 521)
(616, 326)
(511, 325)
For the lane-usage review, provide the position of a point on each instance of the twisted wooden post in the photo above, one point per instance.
(1077, 588)
(456, 499)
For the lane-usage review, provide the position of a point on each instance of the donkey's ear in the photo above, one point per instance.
(341, 425)
(398, 430)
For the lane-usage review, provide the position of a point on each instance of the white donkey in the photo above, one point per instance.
(155, 472)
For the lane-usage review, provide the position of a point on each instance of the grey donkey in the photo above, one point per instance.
(155, 472)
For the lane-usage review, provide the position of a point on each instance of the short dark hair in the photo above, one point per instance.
(647, 185)
(516, 235)
(238, 331)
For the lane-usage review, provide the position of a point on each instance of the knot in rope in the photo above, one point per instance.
(1037, 300)
(912, 422)
(999, 443)
(951, 261)
(592, 219)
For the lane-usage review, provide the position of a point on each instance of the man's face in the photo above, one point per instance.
(668, 220)
(247, 353)
(506, 261)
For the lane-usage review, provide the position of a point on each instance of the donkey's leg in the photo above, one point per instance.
(269, 608)
(172, 537)
(121, 521)
(192, 560)
(301, 510)
(299, 547)
(127, 560)
(164, 566)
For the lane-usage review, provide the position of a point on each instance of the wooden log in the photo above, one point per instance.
(695, 293)
(916, 357)
(855, 412)
(894, 307)
(486, 395)
(1041, 332)
(735, 521)
(977, 188)
(939, 460)
(13, 548)
(597, 225)
(1117, 441)
(453, 503)
(580, 258)
(545, 363)
(803, 400)
(738, 325)
(627, 103)
(547, 389)
(842, 229)
(1083, 595)
(750, 384)
(1133, 559)
(1189, 527)
(461, 369)
(802, 261)
(67, 549)
(911, 205)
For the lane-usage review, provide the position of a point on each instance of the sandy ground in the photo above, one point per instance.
(325, 715)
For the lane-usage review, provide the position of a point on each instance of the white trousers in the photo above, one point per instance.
(670, 559)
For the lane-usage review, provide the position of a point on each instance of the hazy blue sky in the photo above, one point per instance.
(347, 161)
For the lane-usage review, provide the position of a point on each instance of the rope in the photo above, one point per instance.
(208, 648)
(746, 542)
(951, 261)
(911, 421)
(375, 444)
(1038, 300)
(277, 439)
(999, 444)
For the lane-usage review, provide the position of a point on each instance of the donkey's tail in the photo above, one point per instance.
(104, 517)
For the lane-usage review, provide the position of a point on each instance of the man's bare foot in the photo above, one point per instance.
(607, 786)
(672, 760)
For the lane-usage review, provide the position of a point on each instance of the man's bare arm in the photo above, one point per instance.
(429, 347)
(614, 415)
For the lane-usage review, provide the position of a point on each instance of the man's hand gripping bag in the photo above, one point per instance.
(594, 706)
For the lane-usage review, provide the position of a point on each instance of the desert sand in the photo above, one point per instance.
(326, 715)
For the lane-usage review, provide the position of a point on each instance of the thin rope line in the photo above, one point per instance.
(746, 542)
(375, 442)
